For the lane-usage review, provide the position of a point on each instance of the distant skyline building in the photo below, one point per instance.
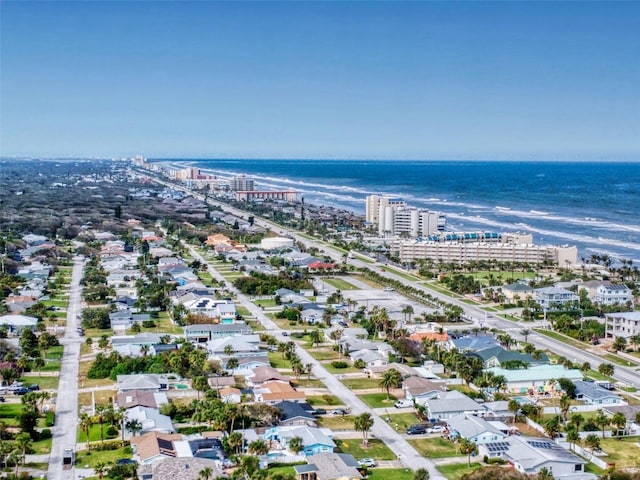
(242, 183)
(394, 217)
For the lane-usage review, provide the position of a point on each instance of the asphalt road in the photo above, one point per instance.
(64, 430)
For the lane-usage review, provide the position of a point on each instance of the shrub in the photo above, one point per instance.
(50, 419)
(339, 364)
(44, 434)
(148, 324)
(112, 432)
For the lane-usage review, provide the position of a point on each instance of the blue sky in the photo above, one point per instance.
(321, 80)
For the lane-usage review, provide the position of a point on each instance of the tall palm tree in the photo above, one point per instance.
(601, 419)
(101, 468)
(258, 447)
(391, 378)
(467, 447)
(565, 405)
(525, 332)
(363, 423)
(85, 423)
(206, 474)
(100, 412)
(23, 442)
(620, 422)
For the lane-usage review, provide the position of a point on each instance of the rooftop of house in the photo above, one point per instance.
(180, 468)
(452, 401)
(329, 466)
(294, 410)
(469, 426)
(537, 373)
(592, 390)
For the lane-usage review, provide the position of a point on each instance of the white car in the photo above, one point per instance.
(367, 462)
(387, 289)
(435, 429)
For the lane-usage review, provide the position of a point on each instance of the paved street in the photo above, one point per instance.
(64, 431)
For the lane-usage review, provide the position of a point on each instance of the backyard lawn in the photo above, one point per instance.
(457, 470)
(322, 353)
(389, 474)
(323, 400)
(401, 421)
(84, 460)
(361, 383)
(378, 400)
(8, 413)
(435, 447)
(336, 422)
(624, 453)
(45, 383)
(376, 449)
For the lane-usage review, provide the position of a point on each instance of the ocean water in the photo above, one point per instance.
(595, 206)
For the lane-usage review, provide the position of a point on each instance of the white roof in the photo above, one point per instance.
(18, 320)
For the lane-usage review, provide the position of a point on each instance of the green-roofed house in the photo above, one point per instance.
(539, 379)
(498, 356)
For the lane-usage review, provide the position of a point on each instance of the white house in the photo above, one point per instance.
(474, 428)
(622, 324)
(552, 297)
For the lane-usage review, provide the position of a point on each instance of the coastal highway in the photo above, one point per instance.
(626, 375)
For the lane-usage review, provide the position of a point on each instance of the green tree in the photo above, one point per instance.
(134, 426)
(514, 407)
(100, 469)
(391, 378)
(315, 337)
(23, 442)
(295, 444)
(84, 422)
(421, 474)
(620, 422)
(544, 474)
(573, 436)
(565, 405)
(606, 369)
(201, 384)
(593, 442)
(363, 423)
(258, 447)
(601, 419)
(467, 447)
(620, 343)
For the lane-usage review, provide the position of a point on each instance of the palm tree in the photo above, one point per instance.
(573, 436)
(101, 468)
(23, 442)
(363, 423)
(119, 417)
(315, 337)
(577, 420)
(391, 378)
(601, 419)
(258, 447)
(134, 426)
(235, 442)
(467, 447)
(85, 425)
(100, 414)
(620, 421)
(565, 405)
(552, 426)
(514, 407)
(593, 442)
(295, 444)
(525, 332)
(205, 474)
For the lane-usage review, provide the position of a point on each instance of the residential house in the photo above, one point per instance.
(219, 382)
(551, 298)
(296, 414)
(498, 356)
(142, 381)
(539, 379)
(132, 345)
(224, 311)
(246, 365)
(230, 395)
(329, 466)
(125, 319)
(262, 375)
(274, 392)
(314, 440)
(449, 404)
(404, 369)
(593, 394)
(369, 358)
(518, 291)
(419, 389)
(498, 411)
(15, 324)
(473, 428)
(202, 333)
(530, 455)
(153, 446)
(182, 468)
(473, 343)
(607, 293)
(622, 324)
(150, 419)
(141, 398)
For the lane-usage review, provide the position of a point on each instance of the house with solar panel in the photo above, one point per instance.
(530, 455)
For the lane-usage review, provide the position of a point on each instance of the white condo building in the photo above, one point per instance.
(393, 217)
(622, 324)
(242, 183)
(465, 247)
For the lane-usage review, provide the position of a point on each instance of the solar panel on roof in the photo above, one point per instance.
(165, 444)
(537, 444)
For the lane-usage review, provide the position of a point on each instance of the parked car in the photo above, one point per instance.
(33, 388)
(435, 429)
(21, 391)
(343, 324)
(319, 411)
(387, 289)
(339, 411)
(2, 399)
(403, 404)
(285, 334)
(416, 430)
(367, 462)
(126, 461)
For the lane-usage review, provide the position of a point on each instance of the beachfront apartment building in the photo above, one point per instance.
(394, 218)
(242, 183)
(622, 324)
(251, 195)
(463, 248)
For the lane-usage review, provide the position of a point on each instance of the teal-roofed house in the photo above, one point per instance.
(536, 380)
